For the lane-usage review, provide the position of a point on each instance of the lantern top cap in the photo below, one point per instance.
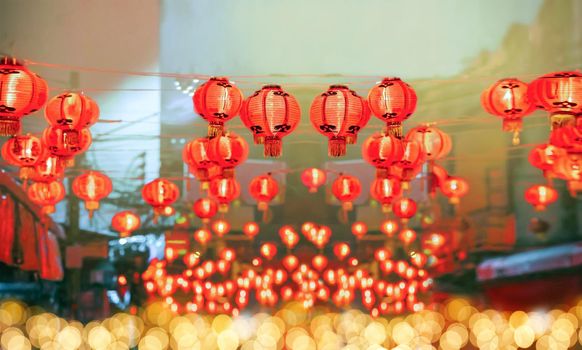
(11, 61)
(338, 86)
(272, 86)
(218, 78)
(390, 79)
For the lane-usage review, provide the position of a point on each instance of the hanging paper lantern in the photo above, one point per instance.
(392, 101)
(389, 227)
(382, 152)
(341, 250)
(411, 161)
(288, 236)
(268, 250)
(560, 94)
(125, 222)
(205, 209)
(338, 114)
(191, 259)
(228, 151)
(346, 189)
(263, 189)
(404, 208)
(22, 93)
(319, 262)
(540, 196)
(224, 190)
(384, 190)
(313, 178)
(202, 236)
(251, 229)
(71, 111)
(46, 195)
(418, 259)
(290, 262)
(433, 241)
(454, 188)
(407, 236)
(196, 155)
(271, 114)
(321, 237)
(569, 167)
(359, 229)
(435, 143)
(48, 169)
(545, 157)
(59, 144)
(508, 99)
(220, 227)
(160, 194)
(227, 254)
(217, 101)
(23, 151)
(382, 254)
(92, 187)
(567, 137)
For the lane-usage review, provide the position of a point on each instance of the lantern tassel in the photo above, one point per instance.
(215, 129)
(337, 146)
(393, 129)
(9, 127)
(273, 147)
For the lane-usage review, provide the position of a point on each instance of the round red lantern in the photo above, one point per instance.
(288, 236)
(217, 101)
(404, 208)
(313, 178)
(508, 99)
(49, 168)
(160, 194)
(202, 236)
(338, 114)
(545, 157)
(359, 229)
(435, 143)
(268, 250)
(346, 189)
(205, 209)
(46, 195)
(411, 162)
(23, 151)
(382, 254)
(251, 229)
(384, 190)
(560, 94)
(407, 236)
(433, 241)
(263, 189)
(59, 144)
(290, 262)
(71, 111)
(341, 250)
(389, 227)
(196, 155)
(569, 167)
(540, 196)
(125, 222)
(319, 262)
(271, 114)
(224, 190)
(228, 151)
(382, 151)
(92, 187)
(454, 188)
(567, 137)
(392, 101)
(220, 227)
(22, 93)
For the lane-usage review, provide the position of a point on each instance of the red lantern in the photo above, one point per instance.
(389, 227)
(61, 145)
(160, 193)
(567, 137)
(545, 157)
(46, 195)
(23, 151)
(407, 236)
(205, 209)
(268, 250)
(227, 254)
(382, 152)
(288, 236)
(48, 169)
(196, 155)
(455, 188)
(435, 143)
(290, 262)
(560, 94)
(22, 93)
(384, 190)
(319, 262)
(419, 259)
(220, 227)
(392, 101)
(313, 178)
(217, 101)
(346, 189)
(338, 114)
(202, 236)
(125, 222)
(228, 151)
(92, 187)
(569, 167)
(382, 254)
(251, 229)
(71, 111)
(341, 250)
(411, 162)
(263, 189)
(433, 241)
(359, 229)
(404, 208)
(224, 190)
(321, 237)
(271, 114)
(192, 259)
(540, 196)
(508, 99)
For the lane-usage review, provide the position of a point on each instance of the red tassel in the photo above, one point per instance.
(273, 147)
(337, 146)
